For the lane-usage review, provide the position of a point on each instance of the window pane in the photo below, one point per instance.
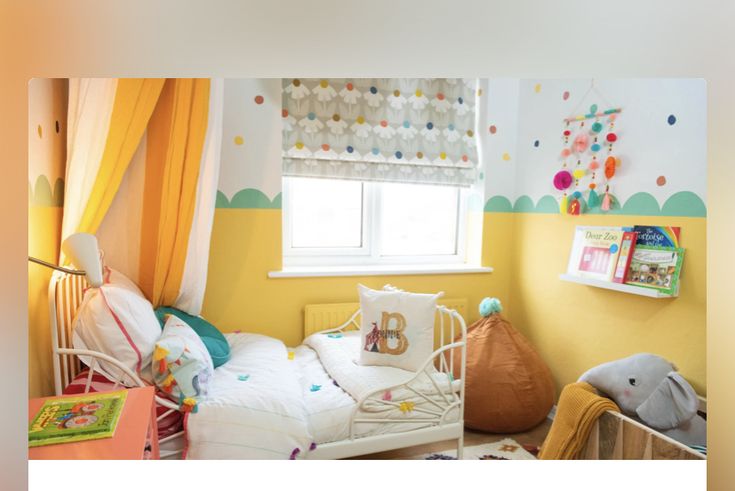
(325, 213)
(418, 220)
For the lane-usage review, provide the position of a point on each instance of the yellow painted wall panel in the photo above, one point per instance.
(44, 228)
(576, 327)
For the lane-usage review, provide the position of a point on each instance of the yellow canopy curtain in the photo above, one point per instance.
(162, 125)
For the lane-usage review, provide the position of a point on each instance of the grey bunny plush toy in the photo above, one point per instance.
(647, 387)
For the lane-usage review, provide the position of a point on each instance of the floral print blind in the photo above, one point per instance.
(381, 129)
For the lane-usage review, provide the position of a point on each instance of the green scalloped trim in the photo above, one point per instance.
(684, 204)
(681, 204)
(42, 195)
(524, 204)
(249, 198)
(498, 204)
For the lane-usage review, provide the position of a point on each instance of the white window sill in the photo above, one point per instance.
(383, 270)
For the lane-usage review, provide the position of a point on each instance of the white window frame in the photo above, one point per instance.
(369, 254)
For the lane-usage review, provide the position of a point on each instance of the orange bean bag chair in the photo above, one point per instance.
(508, 387)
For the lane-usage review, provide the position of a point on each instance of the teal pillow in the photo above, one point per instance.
(212, 338)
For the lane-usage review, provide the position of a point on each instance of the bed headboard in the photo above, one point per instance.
(318, 317)
(65, 294)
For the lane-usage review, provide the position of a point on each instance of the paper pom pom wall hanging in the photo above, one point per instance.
(587, 155)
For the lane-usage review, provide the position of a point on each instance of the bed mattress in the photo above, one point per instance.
(272, 402)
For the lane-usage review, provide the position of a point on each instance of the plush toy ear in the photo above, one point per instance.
(672, 403)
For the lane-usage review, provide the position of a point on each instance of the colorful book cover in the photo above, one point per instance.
(73, 419)
(656, 267)
(627, 246)
(657, 236)
(595, 252)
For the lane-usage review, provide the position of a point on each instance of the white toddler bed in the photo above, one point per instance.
(311, 402)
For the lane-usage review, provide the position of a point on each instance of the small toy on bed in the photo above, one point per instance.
(649, 388)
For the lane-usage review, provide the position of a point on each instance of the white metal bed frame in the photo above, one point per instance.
(65, 296)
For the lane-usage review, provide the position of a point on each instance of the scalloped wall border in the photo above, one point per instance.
(681, 204)
(41, 193)
(249, 198)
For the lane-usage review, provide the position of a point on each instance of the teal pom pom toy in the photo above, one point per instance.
(490, 306)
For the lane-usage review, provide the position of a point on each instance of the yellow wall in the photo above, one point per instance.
(46, 163)
(576, 327)
(246, 245)
(44, 229)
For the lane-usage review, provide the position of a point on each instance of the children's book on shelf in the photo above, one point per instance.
(595, 252)
(627, 247)
(657, 236)
(72, 419)
(656, 267)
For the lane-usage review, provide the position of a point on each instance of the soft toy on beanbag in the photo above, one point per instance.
(508, 387)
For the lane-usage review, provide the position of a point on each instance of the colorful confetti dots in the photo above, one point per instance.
(671, 120)
(537, 88)
(661, 181)
(243, 378)
(239, 140)
(506, 156)
(493, 129)
(536, 143)
(315, 387)
(259, 99)
(565, 95)
(291, 354)
(334, 335)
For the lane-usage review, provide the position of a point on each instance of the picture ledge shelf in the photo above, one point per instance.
(619, 287)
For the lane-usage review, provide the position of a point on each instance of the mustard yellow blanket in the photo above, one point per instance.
(578, 408)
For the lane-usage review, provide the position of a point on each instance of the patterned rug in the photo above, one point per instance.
(505, 449)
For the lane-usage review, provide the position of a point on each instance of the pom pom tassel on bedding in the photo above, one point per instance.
(188, 404)
(159, 355)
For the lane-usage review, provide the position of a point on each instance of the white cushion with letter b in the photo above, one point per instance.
(397, 328)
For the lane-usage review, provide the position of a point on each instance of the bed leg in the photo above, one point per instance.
(460, 447)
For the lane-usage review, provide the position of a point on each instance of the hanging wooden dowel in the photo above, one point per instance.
(600, 114)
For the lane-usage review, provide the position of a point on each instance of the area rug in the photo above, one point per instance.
(505, 449)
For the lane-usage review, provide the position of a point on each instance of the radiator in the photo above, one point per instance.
(318, 317)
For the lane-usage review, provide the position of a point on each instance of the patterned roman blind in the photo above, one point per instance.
(381, 129)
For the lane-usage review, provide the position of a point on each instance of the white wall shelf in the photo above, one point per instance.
(619, 287)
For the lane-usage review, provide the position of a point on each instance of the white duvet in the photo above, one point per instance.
(255, 408)
(263, 405)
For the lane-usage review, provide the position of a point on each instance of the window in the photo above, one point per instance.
(340, 222)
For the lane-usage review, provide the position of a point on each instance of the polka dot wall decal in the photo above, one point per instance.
(536, 143)
(506, 156)
(493, 129)
(239, 140)
(537, 88)
(40, 131)
(565, 95)
(58, 128)
(661, 181)
(259, 99)
(672, 119)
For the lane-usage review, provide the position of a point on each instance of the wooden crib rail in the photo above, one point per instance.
(615, 436)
